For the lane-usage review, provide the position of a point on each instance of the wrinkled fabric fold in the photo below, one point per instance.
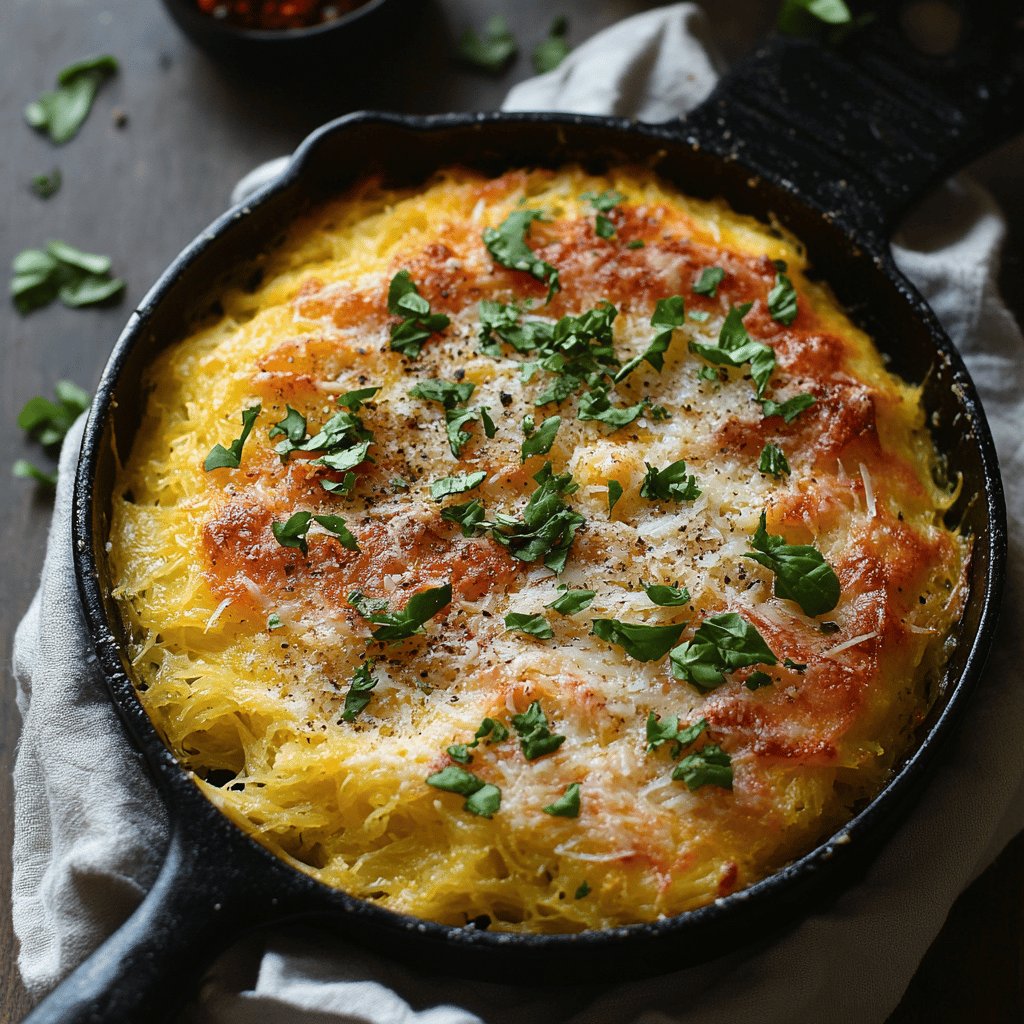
(89, 833)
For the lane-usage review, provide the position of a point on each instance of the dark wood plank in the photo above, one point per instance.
(142, 192)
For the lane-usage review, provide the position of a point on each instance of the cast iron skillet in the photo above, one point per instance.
(836, 145)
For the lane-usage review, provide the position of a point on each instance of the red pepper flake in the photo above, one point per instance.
(277, 14)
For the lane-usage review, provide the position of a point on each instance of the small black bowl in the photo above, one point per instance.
(270, 48)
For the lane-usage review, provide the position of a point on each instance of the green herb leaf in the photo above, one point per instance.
(25, 470)
(782, 302)
(336, 525)
(460, 752)
(535, 737)
(482, 798)
(582, 890)
(735, 347)
(571, 601)
(423, 605)
(456, 419)
(668, 730)
(507, 244)
(62, 112)
(354, 400)
(636, 243)
(643, 643)
(470, 517)
(532, 625)
(550, 52)
(61, 271)
(603, 202)
(614, 493)
(48, 422)
(800, 17)
(358, 696)
(458, 484)
(542, 438)
(448, 393)
(668, 315)
(568, 804)
(492, 49)
(274, 622)
(604, 227)
(292, 534)
(548, 525)
(595, 405)
(292, 428)
(789, 409)
(231, 457)
(492, 730)
(417, 322)
(47, 185)
(709, 766)
(722, 644)
(668, 597)
(504, 320)
(669, 484)
(367, 606)
(709, 280)
(757, 679)
(801, 572)
(773, 460)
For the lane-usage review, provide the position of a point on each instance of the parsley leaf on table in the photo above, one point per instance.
(60, 271)
(550, 52)
(490, 50)
(62, 111)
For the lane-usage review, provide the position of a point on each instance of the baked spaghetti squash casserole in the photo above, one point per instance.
(541, 553)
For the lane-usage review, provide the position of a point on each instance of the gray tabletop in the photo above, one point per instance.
(139, 191)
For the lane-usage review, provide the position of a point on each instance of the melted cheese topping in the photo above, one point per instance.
(256, 713)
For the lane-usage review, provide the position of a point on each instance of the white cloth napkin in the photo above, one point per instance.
(88, 833)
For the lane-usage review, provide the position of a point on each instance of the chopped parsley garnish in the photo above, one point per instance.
(550, 52)
(47, 185)
(709, 766)
(531, 625)
(669, 484)
(582, 890)
(723, 643)
(782, 303)
(61, 112)
(540, 439)
(490, 729)
(292, 534)
(458, 484)
(231, 457)
(603, 203)
(482, 798)
(274, 622)
(358, 695)
(492, 49)
(446, 392)
(801, 572)
(507, 244)
(548, 525)
(423, 605)
(789, 409)
(336, 525)
(292, 428)
(470, 517)
(708, 373)
(568, 804)
(25, 470)
(353, 400)
(668, 597)
(668, 730)
(668, 314)
(569, 602)
(614, 493)
(451, 395)
(709, 280)
(735, 347)
(773, 460)
(503, 319)
(636, 243)
(417, 322)
(595, 405)
(642, 643)
(757, 679)
(60, 271)
(535, 738)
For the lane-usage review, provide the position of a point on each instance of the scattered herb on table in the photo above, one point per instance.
(804, 17)
(47, 185)
(550, 52)
(62, 111)
(47, 423)
(491, 49)
(60, 271)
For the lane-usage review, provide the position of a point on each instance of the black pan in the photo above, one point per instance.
(836, 145)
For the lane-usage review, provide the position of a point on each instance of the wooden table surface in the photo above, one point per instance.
(140, 192)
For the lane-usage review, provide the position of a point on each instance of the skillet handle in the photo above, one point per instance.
(149, 967)
(865, 127)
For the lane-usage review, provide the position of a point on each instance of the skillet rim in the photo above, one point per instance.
(831, 855)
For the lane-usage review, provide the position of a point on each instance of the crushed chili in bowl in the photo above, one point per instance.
(277, 14)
